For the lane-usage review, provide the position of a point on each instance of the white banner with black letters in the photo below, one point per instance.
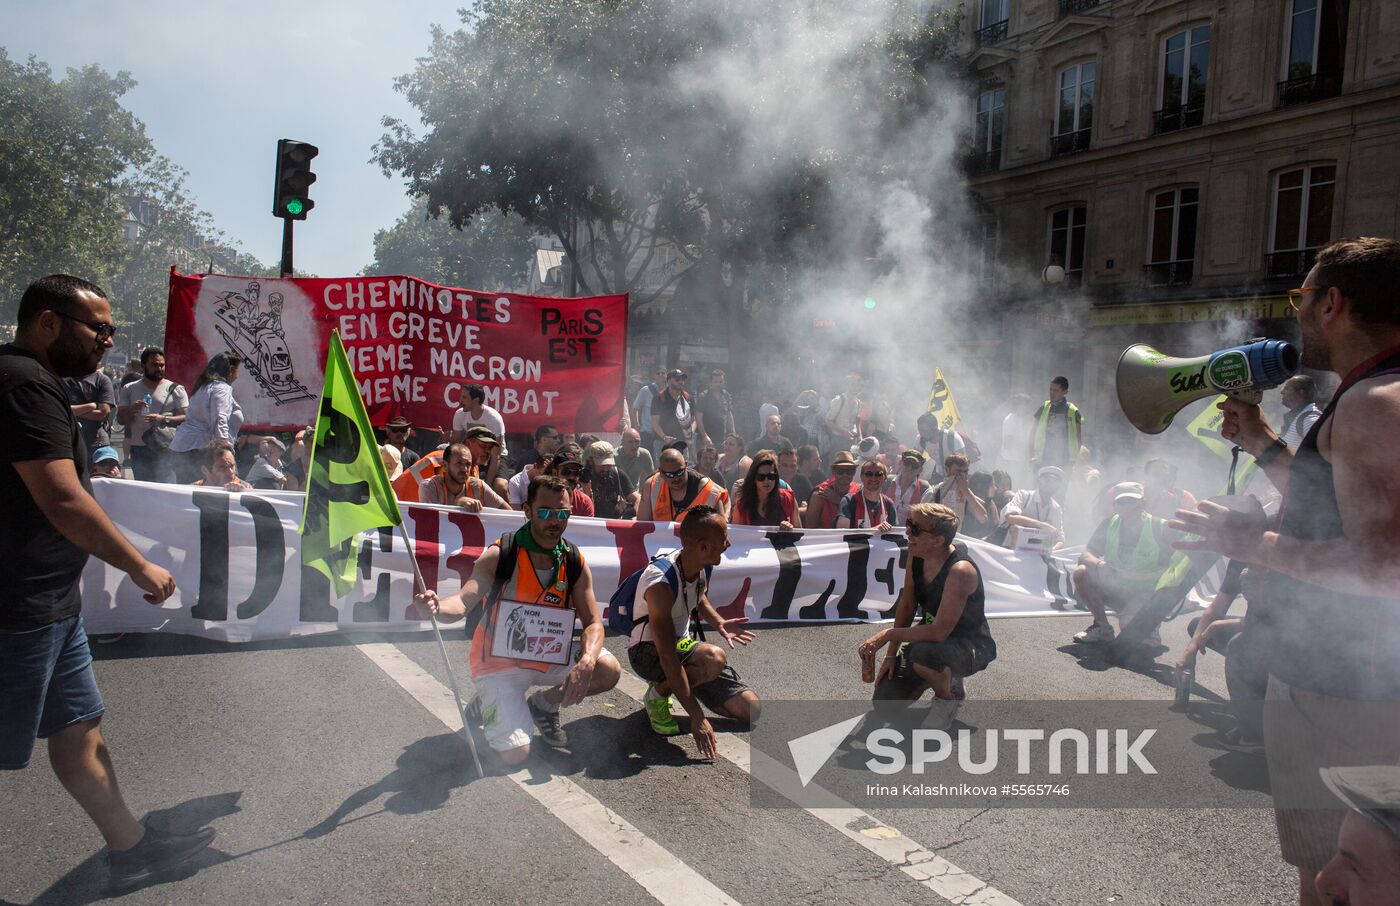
(237, 566)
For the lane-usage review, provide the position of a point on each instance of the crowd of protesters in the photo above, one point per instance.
(1311, 548)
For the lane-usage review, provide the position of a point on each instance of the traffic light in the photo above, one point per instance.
(294, 179)
(869, 303)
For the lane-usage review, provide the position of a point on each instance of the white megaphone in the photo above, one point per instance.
(1153, 386)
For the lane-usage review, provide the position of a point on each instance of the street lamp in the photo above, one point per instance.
(1053, 275)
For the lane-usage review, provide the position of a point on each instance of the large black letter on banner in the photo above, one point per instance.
(886, 573)
(211, 603)
(376, 609)
(848, 606)
(271, 554)
(789, 574)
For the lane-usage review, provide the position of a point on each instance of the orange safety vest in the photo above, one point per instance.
(710, 494)
(524, 586)
(425, 469)
(469, 490)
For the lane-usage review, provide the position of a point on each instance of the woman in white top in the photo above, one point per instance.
(213, 414)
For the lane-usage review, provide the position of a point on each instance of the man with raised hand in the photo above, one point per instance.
(533, 565)
(664, 648)
(52, 523)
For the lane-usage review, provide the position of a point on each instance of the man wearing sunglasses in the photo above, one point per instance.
(541, 568)
(672, 416)
(1329, 568)
(674, 489)
(950, 640)
(51, 525)
(823, 507)
(868, 507)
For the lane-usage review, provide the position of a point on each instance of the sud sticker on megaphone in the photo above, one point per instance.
(1153, 386)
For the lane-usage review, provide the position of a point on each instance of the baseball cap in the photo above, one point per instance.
(676, 372)
(1128, 490)
(1373, 790)
(1051, 472)
(102, 454)
(393, 460)
(483, 434)
(842, 458)
(912, 455)
(276, 441)
(564, 458)
(602, 454)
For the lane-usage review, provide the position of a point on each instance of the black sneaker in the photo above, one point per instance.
(551, 732)
(157, 852)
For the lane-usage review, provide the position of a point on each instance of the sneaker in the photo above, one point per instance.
(1097, 632)
(942, 712)
(659, 712)
(551, 732)
(156, 853)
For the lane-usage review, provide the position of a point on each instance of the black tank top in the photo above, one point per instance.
(1326, 641)
(928, 595)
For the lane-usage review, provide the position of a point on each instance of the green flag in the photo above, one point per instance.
(347, 489)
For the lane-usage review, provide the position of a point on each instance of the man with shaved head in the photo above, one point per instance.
(674, 489)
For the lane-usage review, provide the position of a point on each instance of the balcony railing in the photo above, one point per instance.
(1169, 273)
(1069, 143)
(979, 162)
(1290, 264)
(1070, 7)
(1309, 88)
(993, 34)
(1170, 119)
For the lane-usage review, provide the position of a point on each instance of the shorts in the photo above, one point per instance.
(646, 663)
(1304, 732)
(962, 656)
(46, 684)
(505, 717)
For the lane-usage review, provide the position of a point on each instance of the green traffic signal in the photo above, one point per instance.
(869, 303)
(294, 206)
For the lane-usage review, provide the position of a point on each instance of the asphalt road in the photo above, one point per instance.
(330, 782)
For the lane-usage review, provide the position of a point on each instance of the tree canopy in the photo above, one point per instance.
(731, 133)
(492, 252)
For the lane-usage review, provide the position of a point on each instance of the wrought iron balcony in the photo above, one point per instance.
(1290, 264)
(993, 34)
(1169, 273)
(1309, 88)
(1170, 119)
(1070, 7)
(1069, 143)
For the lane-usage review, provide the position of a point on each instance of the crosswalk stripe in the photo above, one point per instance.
(669, 880)
(928, 868)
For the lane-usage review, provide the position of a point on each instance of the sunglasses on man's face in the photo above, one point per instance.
(546, 514)
(766, 476)
(844, 470)
(915, 530)
(676, 474)
(571, 472)
(872, 474)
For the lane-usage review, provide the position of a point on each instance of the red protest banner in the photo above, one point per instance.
(413, 346)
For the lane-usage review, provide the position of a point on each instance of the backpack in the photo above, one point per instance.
(505, 568)
(621, 619)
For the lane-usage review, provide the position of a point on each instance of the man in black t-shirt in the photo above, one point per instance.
(714, 411)
(672, 417)
(52, 523)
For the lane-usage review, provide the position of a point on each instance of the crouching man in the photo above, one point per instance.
(951, 640)
(533, 566)
(664, 649)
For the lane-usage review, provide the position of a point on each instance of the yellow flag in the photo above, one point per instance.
(941, 404)
(347, 489)
(1206, 429)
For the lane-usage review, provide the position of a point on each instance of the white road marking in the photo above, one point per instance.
(928, 868)
(660, 873)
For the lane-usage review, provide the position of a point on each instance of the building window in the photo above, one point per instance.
(1071, 7)
(1302, 218)
(1316, 49)
(995, 22)
(1074, 119)
(986, 138)
(1171, 240)
(1185, 61)
(1067, 231)
(982, 250)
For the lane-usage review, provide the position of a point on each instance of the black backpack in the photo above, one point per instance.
(505, 568)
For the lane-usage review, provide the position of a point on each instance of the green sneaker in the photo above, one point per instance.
(659, 712)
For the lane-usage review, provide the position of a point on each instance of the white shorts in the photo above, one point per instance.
(505, 717)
